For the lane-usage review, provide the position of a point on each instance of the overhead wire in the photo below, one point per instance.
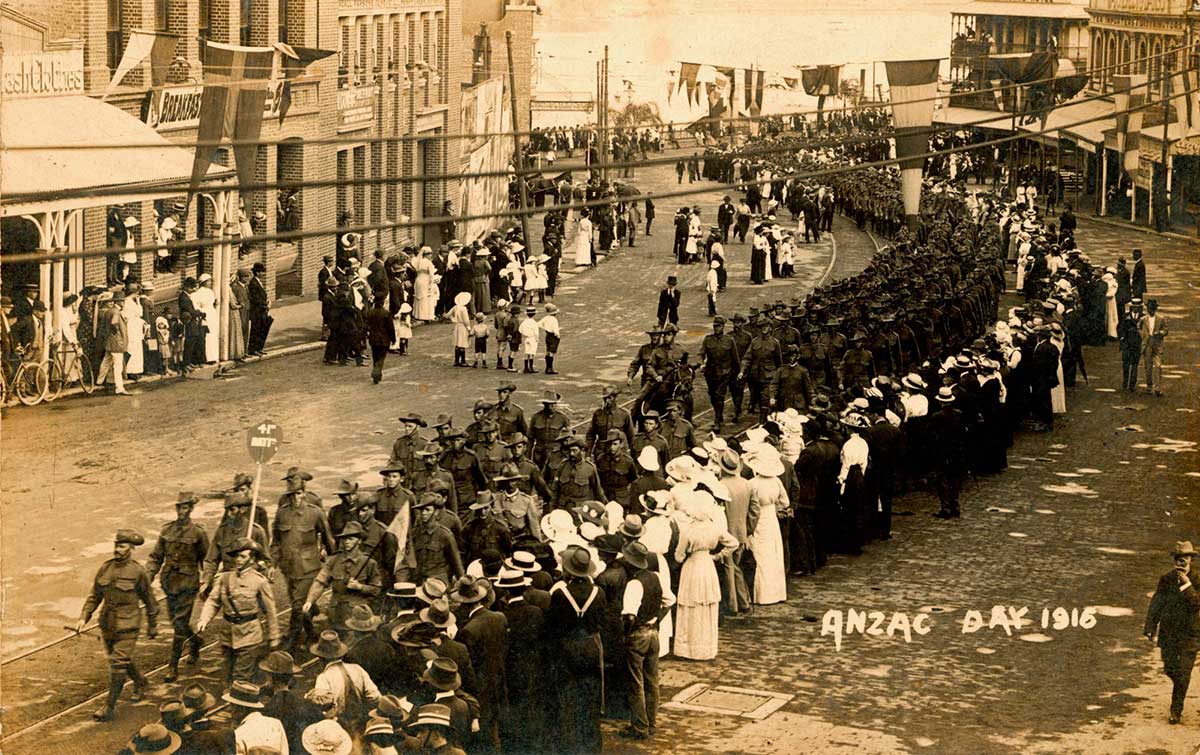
(50, 255)
(363, 140)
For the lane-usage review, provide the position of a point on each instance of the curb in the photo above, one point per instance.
(1116, 223)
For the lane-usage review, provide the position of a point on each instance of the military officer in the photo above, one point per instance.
(432, 550)
(509, 416)
(177, 560)
(233, 528)
(463, 465)
(120, 584)
(646, 358)
(609, 417)
(430, 471)
(545, 426)
(350, 574)
(577, 479)
(404, 450)
(677, 431)
(518, 509)
(300, 538)
(759, 363)
(719, 361)
(245, 599)
(650, 436)
(857, 365)
(532, 481)
(616, 468)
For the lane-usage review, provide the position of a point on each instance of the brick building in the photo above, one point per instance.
(398, 71)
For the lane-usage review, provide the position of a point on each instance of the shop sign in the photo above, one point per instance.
(356, 108)
(178, 107)
(43, 74)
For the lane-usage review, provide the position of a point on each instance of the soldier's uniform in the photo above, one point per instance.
(576, 481)
(655, 439)
(423, 479)
(543, 429)
(758, 367)
(742, 336)
(117, 589)
(645, 359)
(404, 452)
(605, 419)
(792, 387)
(463, 466)
(857, 366)
(677, 431)
(432, 553)
(298, 534)
(177, 559)
(521, 514)
(389, 502)
(336, 574)
(531, 480)
(509, 417)
(492, 455)
(381, 546)
(485, 533)
(812, 356)
(229, 532)
(245, 599)
(721, 358)
(616, 468)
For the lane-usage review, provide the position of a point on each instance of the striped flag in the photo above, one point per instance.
(1131, 93)
(820, 82)
(1185, 90)
(294, 61)
(158, 46)
(911, 80)
(231, 106)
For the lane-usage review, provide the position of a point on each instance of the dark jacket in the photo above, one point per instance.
(668, 305)
(1174, 615)
(381, 328)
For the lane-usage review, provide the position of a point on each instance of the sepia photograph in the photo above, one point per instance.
(779, 434)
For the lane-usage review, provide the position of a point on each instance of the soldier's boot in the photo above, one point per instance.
(173, 662)
(550, 366)
(139, 683)
(500, 362)
(116, 680)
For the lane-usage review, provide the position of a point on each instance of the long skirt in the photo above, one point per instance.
(237, 340)
(770, 580)
(1110, 317)
(697, 608)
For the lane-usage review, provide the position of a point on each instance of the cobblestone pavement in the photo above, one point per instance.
(1082, 518)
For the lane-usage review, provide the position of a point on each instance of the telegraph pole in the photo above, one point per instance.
(1162, 219)
(519, 154)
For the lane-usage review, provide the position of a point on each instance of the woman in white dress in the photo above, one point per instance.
(583, 239)
(536, 277)
(1110, 304)
(424, 298)
(1058, 394)
(656, 536)
(461, 319)
(766, 542)
(702, 535)
(136, 325)
(204, 299)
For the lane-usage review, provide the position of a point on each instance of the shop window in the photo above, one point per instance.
(204, 27)
(171, 224)
(244, 20)
(162, 14)
(283, 20)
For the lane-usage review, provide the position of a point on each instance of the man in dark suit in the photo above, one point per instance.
(1174, 615)
(381, 334)
(260, 311)
(437, 614)
(950, 463)
(668, 303)
(1137, 279)
(885, 441)
(725, 215)
(523, 721)
(327, 281)
(484, 632)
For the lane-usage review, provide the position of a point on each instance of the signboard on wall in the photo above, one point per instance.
(485, 110)
(178, 107)
(356, 108)
(43, 74)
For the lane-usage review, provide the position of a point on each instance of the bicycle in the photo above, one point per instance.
(30, 379)
(66, 358)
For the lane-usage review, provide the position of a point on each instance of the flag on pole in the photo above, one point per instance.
(1185, 91)
(231, 106)
(1130, 94)
(158, 46)
(909, 81)
(755, 83)
(687, 78)
(820, 82)
(293, 62)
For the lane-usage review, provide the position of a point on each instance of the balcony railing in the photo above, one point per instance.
(1143, 7)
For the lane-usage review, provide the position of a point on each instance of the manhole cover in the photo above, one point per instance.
(730, 701)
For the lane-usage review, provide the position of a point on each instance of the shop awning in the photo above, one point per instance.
(1023, 10)
(40, 177)
(1098, 113)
